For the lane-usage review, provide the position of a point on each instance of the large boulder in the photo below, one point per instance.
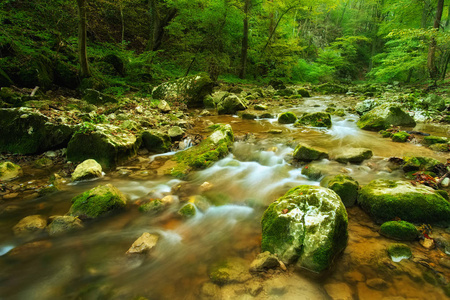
(351, 155)
(419, 163)
(345, 186)
(306, 153)
(156, 141)
(383, 116)
(307, 226)
(318, 119)
(26, 131)
(230, 104)
(287, 118)
(386, 200)
(9, 171)
(88, 169)
(97, 202)
(205, 154)
(107, 144)
(191, 89)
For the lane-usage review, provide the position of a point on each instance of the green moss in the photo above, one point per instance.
(399, 230)
(155, 141)
(187, 211)
(287, 118)
(346, 187)
(385, 134)
(154, 206)
(419, 163)
(319, 119)
(383, 116)
(303, 92)
(305, 153)
(323, 256)
(314, 172)
(440, 147)
(400, 137)
(431, 140)
(396, 251)
(97, 202)
(275, 231)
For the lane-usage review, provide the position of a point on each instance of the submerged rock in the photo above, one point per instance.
(351, 155)
(30, 225)
(398, 252)
(307, 226)
(399, 230)
(230, 104)
(305, 153)
(107, 144)
(232, 270)
(383, 116)
(25, 131)
(154, 206)
(62, 224)
(346, 187)
(318, 119)
(431, 140)
(287, 118)
(187, 211)
(144, 244)
(155, 141)
(264, 261)
(338, 291)
(315, 171)
(9, 171)
(88, 169)
(304, 93)
(205, 154)
(97, 202)
(191, 89)
(385, 200)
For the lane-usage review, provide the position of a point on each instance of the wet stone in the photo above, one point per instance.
(30, 225)
(145, 243)
(377, 284)
(264, 261)
(338, 291)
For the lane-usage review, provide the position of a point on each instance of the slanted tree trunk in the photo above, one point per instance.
(425, 12)
(244, 50)
(157, 25)
(82, 43)
(431, 61)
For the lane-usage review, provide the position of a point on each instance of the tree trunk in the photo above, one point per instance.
(431, 61)
(82, 44)
(425, 11)
(155, 20)
(275, 29)
(244, 49)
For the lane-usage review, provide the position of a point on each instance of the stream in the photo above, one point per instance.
(91, 263)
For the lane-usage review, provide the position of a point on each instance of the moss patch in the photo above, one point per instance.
(399, 230)
(287, 118)
(319, 119)
(400, 137)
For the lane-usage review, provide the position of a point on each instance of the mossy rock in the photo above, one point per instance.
(191, 89)
(386, 200)
(287, 118)
(88, 169)
(25, 131)
(304, 93)
(63, 224)
(260, 107)
(397, 252)
(399, 230)
(331, 88)
(247, 115)
(315, 171)
(319, 119)
(385, 134)
(305, 153)
(277, 84)
(346, 187)
(440, 147)
(155, 141)
(187, 211)
(35, 70)
(97, 202)
(155, 206)
(306, 226)
(95, 97)
(230, 270)
(116, 62)
(109, 145)
(205, 154)
(230, 104)
(431, 140)
(400, 137)
(285, 92)
(351, 155)
(9, 171)
(383, 116)
(419, 163)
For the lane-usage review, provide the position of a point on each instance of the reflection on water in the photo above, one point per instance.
(91, 263)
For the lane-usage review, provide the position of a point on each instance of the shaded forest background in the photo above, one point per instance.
(134, 44)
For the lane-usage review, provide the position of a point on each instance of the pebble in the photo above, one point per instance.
(427, 243)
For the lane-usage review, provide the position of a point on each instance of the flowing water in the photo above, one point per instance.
(91, 263)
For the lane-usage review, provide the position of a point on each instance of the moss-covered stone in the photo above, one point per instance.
(63, 224)
(385, 134)
(419, 163)
(230, 104)
(155, 206)
(187, 211)
(29, 225)
(191, 89)
(385, 200)
(351, 155)
(346, 187)
(440, 147)
(383, 116)
(307, 226)
(319, 119)
(25, 131)
(304, 92)
(260, 107)
(400, 137)
(305, 153)
(231, 270)
(287, 118)
(246, 115)
(107, 144)
(398, 252)
(315, 171)
(330, 88)
(399, 230)
(95, 97)
(431, 140)
(155, 141)
(9, 171)
(205, 154)
(97, 202)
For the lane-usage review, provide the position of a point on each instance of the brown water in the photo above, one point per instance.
(91, 263)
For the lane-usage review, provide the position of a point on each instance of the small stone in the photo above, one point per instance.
(377, 284)
(30, 225)
(205, 187)
(264, 261)
(9, 171)
(88, 169)
(445, 182)
(62, 224)
(163, 106)
(338, 291)
(254, 288)
(175, 132)
(398, 252)
(143, 244)
(232, 270)
(427, 243)
(187, 211)
(168, 200)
